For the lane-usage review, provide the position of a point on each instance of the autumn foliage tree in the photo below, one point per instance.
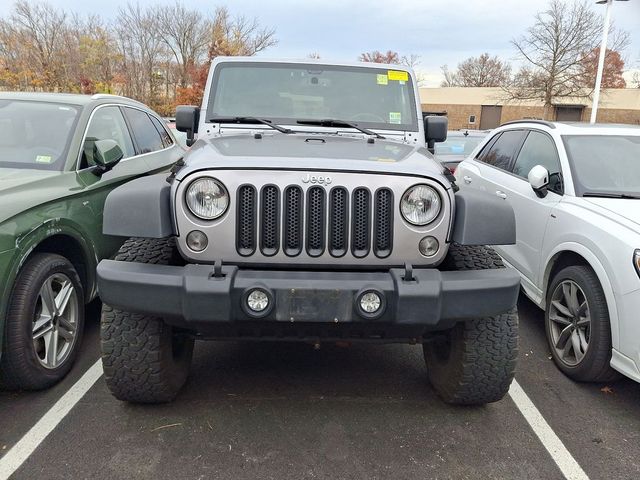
(613, 69)
(157, 54)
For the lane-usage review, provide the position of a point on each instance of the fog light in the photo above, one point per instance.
(258, 301)
(370, 302)
(197, 241)
(428, 246)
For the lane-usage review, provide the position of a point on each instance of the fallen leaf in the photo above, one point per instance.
(606, 389)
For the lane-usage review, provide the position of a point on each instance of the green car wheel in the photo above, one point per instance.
(44, 324)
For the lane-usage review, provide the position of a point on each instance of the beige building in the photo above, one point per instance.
(485, 108)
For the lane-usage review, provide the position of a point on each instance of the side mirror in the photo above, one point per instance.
(106, 154)
(539, 180)
(435, 130)
(187, 118)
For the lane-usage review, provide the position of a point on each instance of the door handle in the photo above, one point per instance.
(467, 179)
(501, 194)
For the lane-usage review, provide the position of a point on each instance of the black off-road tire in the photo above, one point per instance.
(474, 362)
(19, 366)
(595, 366)
(144, 359)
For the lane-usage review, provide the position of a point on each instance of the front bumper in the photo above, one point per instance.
(192, 295)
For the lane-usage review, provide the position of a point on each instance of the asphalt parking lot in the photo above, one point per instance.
(275, 411)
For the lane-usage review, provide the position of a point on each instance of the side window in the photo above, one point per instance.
(106, 123)
(166, 138)
(539, 149)
(145, 134)
(503, 150)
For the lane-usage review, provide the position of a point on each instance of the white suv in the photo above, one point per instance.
(575, 190)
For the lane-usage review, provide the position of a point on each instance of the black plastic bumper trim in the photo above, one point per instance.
(189, 295)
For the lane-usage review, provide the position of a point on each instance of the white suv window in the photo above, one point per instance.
(501, 153)
(539, 149)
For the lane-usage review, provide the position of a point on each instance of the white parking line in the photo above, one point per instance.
(34, 437)
(565, 461)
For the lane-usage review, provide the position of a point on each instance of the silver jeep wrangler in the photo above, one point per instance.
(311, 209)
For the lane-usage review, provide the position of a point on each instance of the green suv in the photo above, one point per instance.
(60, 155)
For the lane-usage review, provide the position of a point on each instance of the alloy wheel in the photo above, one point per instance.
(569, 322)
(55, 322)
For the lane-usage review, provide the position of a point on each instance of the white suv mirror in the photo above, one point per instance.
(539, 180)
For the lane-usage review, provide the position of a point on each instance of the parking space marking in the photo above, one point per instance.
(34, 437)
(563, 458)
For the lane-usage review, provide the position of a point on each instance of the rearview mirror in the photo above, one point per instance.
(539, 180)
(187, 118)
(106, 154)
(435, 130)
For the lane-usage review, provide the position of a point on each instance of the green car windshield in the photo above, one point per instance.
(35, 135)
(373, 98)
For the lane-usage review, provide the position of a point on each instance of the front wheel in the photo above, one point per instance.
(144, 359)
(578, 327)
(44, 324)
(474, 362)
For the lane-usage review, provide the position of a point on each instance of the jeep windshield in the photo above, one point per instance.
(35, 134)
(285, 93)
(605, 165)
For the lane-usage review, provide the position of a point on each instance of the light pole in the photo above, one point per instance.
(603, 51)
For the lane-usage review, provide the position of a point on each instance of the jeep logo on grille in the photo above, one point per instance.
(317, 179)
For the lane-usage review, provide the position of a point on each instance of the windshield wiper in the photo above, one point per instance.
(329, 122)
(611, 195)
(264, 121)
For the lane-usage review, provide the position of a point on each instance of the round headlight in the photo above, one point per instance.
(207, 198)
(420, 205)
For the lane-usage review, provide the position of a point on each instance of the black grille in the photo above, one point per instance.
(293, 219)
(383, 223)
(315, 221)
(246, 220)
(320, 220)
(270, 220)
(338, 223)
(361, 222)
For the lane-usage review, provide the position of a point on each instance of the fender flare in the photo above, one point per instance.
(603, 277)
(28, 242)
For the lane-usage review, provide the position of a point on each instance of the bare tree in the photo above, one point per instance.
(40, 28)
(554, 49)
(142, 50)
(378, 57)
(450, 78)
(482, 71)
(238, 36)
(187, 34)
(412, 60)
(314, 56)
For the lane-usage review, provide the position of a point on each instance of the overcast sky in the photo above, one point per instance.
(440, 31)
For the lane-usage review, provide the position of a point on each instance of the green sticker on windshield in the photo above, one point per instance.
(395, 117)
(382, 79)
(43, 158)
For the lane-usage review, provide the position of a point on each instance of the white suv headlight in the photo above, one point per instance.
(207, 198)
(420, 205)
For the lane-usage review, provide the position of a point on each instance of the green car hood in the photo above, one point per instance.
(22, 189)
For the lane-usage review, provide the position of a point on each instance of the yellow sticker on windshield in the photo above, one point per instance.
(395, 117)
(383, 79)
(398, 75)
(43, 158)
